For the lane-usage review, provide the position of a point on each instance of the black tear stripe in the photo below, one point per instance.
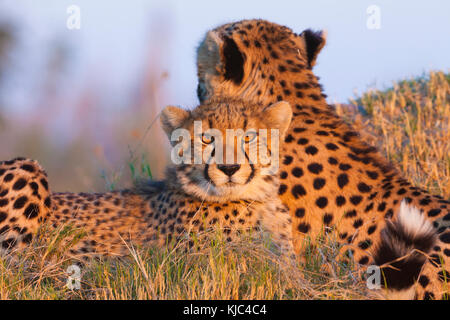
(252, 173)
(234, 61)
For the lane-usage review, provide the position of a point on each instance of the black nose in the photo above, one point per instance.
(229, 169)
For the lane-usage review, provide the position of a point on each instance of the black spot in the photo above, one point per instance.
(19, 184)
(424, 281)
(283, 175)
(331, 146)
(302, 141)
(32, 211)
(8, 177)
(315, 168)
(4, 202)
(303, 227)
(298, 191)
(322, 202)
(299, 94)
(445, 237)
(434, 212)
(27, 167)
(381, 207)
(20, 202)
(371, 229)
(365, 244)
(327, 218)
(287, 160)
(300, 212)
(297, 172)
(373, 195)
(44, 183)
(299, 130)
(369, 207)
(372, 174)
(9, 243)
(318, 183)
(289, 138)
(344, 166)
(332, 160)
(282, 189)
(342, 180)
(362, 187)
(364, 260)
(27, 238)
(356, 200)
(428, 296)
(401, 191)
(389, 214)
(425, 202)
(3, 216)
(311, 150)
(358, 223)
(340, 201)
(350, 214)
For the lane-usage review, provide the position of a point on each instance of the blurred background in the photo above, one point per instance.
(84, 102)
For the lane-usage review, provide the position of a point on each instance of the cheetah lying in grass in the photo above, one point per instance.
(192, 199)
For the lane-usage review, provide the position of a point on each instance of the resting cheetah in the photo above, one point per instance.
(192, 198)
(329, 177)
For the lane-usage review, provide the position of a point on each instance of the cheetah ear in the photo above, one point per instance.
(219, 56)
(173, 118)
(278, 116)
(314, 42)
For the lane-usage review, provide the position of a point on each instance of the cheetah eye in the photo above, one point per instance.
(249, 136)
(207, 139)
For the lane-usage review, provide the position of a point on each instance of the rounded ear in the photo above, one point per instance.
(314, 42)
(278, 116)
(173, 118)
(208, 54)
(220, 55)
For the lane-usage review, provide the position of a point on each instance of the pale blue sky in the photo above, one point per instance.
(117, 39)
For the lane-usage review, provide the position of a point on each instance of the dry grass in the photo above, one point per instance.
(410, 124)
(216, 270)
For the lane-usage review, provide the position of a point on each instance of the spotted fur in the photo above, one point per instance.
(330, 179)
(192, 198)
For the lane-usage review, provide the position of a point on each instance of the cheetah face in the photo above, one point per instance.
(225, 150)
(239, 59)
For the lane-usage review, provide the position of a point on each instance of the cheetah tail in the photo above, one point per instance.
(403, 244)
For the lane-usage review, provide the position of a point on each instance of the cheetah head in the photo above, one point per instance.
(243, 59)
(226, 150)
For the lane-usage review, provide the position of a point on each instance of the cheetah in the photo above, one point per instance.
(192, 198)
(330, 178)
